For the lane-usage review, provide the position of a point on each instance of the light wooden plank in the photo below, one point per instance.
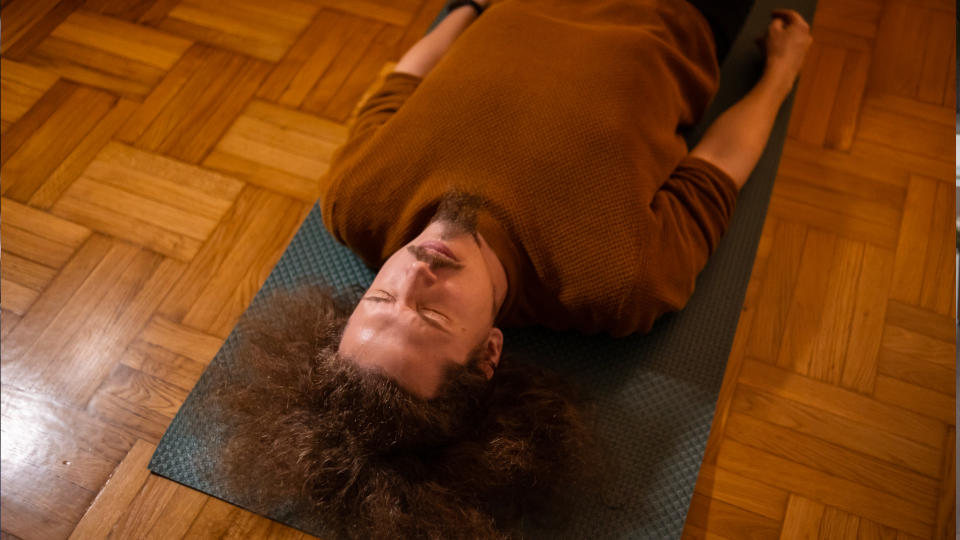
(40, 155)
(940, 42)
(916, 398)
(842, 402)
(871, 530)
(141, 391)
(194, 180)
(728, 520)
(911, 134)
(841, 194)
(830, 342)
(145, 509)
(345, 101)
(182, 340)
(920, 347)
(901, 164)
(38, 504)
(945, 526)
(214, 519)
(905, 367)
(69, 360)
(50, 226)
(71, 167)
(326, 87)
(52, 436)
(815, 217)
(833, 459)
(244, 271)
(246, 237)
(8, 321)
(936, 293)
(165, 365)
(264, 176)
(771, 317)
(147, 185)
(25, 272)
(803, 519)
(839, 524)
(137, 42)
(27, 79)
(912, 244)
(296, 121)
(41, 111)
(162, 93)
(135, 206)
(808, 301)
(245, 27)
(828, 490)
(745, 493)
(19, 17)
(59, 292)
(870, 311)
(279, 155)
(911, 108)
(107, 220)
(63, 56)
(827, 73)
(34, 247)
(17, 299)
(857, 17)
(178, 514)
(308, 58)
(378, 11)
(899, 41)
(838, 430)
(120, 76)
(846, 105)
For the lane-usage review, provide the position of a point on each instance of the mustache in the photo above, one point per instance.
(432, 259)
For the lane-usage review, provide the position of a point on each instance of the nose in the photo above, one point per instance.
(418, 277)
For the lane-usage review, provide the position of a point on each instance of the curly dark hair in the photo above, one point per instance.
(309, 427)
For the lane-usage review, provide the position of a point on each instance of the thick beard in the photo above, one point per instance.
(458, 210)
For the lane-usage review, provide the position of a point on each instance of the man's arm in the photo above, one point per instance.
(425, 54)
(736, 139)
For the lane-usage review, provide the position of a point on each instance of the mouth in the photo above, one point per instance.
(439, 248)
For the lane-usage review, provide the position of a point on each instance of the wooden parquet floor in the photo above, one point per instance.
(158, 155)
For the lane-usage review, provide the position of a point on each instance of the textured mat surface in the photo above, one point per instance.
(657, 392)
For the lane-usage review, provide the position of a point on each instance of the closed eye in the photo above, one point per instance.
(434, 320)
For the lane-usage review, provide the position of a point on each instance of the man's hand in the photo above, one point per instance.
(785, 44)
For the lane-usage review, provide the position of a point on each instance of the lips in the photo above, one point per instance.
(441, 248)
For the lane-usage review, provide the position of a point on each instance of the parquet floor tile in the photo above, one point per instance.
(278, 149)
(160, 203)
(21, 85)
(108, 53)
(262, 30)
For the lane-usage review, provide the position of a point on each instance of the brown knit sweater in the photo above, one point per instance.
(564, 118)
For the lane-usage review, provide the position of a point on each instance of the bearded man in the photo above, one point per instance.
(520, 168)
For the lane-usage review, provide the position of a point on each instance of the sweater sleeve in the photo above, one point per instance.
(689, 216)
(373, 113)
(383, 103)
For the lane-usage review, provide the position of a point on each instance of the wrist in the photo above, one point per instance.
(777, 81)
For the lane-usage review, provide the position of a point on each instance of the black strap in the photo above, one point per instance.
(457, 3)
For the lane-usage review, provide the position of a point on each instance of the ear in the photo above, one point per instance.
(494, 347)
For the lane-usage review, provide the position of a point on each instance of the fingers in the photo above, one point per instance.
(789, 17)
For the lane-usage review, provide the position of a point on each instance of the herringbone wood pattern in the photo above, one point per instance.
(158, 155)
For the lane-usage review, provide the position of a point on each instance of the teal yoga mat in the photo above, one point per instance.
(656, 392)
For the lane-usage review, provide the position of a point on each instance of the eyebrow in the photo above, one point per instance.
(426, 319)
